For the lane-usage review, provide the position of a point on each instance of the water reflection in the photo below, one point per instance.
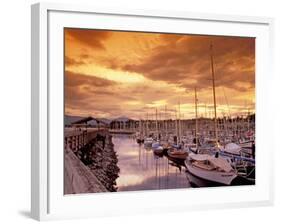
(141, 169)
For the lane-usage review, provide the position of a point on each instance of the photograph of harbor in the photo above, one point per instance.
(156, 111)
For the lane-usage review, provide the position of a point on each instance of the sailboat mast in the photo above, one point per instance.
(196, 121)
(140, 126)
(248, 119)
(176, 122)
(166, 124)
(156, 125)
(180, 134)
(147, 128)
(214, 92)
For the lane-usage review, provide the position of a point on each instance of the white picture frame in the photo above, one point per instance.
(48, 201)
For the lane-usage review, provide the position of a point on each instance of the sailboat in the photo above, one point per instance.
(216, 170)
(156, 146)
(176, 151)
(194, 147)
(139, 137)
(211, 168)
(139, 134)
(148, 140)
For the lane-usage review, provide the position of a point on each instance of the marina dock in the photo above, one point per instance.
(88, 150)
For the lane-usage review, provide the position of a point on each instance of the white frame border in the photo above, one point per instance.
(39, 93)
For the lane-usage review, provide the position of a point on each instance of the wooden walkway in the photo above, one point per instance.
(77, 139)
(78, 178)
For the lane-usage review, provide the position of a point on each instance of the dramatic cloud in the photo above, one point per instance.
(112, 74)
(186, 61)
(76, 79)
(73, 62)
(90, 38)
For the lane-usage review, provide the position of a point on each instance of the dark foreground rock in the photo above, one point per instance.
(100, 157)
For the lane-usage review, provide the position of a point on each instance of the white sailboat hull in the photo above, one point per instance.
(224, 178)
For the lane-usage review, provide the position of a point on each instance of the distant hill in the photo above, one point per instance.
(105, 120)
(70, 119)
(102, 120)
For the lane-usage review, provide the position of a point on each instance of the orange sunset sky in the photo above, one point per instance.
(111, 74)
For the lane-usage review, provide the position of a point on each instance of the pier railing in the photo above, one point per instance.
(75, 139)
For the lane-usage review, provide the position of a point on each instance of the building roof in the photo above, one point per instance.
(87, 119)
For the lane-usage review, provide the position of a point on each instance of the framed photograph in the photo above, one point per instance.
(155, 111)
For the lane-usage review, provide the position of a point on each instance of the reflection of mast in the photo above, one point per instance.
(176, 178)
(214, 91)
(157, 172)
(159, 176)
(139, 154)
(146, 158)
(156, 167)
(167, 173)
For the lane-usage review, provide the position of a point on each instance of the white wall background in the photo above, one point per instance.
(15, 110)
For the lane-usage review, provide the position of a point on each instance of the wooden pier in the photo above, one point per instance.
(78, 178)
(75, 139)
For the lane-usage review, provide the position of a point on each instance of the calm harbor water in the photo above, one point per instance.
(141, 169)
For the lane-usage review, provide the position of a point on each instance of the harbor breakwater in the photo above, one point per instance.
(90, 162)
